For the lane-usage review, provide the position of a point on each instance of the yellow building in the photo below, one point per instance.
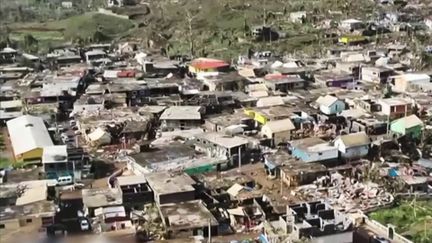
(28, 135)
(349, 40)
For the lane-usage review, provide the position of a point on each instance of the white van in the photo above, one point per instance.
(64, 180)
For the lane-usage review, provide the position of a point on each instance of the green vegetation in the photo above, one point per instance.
(4, 162)
(412, 219)
(85, 28)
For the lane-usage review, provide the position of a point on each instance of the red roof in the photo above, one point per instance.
(126, 74)
(273, 76)
(207, 63)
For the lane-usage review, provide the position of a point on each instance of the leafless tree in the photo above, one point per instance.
(190, 19)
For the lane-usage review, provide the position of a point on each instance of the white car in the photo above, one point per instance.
(64, 180)
(84, 225)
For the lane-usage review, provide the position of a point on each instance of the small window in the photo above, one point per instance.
(319, 153)
(2, 226)
(29, 220)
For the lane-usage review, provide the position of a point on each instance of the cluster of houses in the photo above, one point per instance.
(117, 141)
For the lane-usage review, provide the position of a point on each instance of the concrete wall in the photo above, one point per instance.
(282, 137)
(354, 152)
(278, 138)
(315, 156)
(175, 197)
(8, 225)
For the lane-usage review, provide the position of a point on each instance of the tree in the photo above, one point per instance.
(31, 44)
(190, 18)
(99, 37)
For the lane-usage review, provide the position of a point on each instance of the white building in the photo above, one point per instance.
(353, 146)
(409, 81)
(351, 24)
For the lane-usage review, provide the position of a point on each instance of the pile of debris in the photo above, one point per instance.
(346, 193)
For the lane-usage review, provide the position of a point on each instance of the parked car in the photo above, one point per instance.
(64, 180)
(84, 224)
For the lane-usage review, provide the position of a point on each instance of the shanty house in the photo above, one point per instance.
(313, 149)
(10, 109)
(330, 105)
(187, 219)
(278, 131)
(218, 145)
(171, 188)
(223, 82)
(55, 162)
(283, 83)
(334, 79)
(181, 117)
(8, 55)
(29, 136)
(270, 101)
(351, 24)
(353, 146)
(135, 189)
(395, 107)
(376, 74)
(37, 215)
(407, 81)
(409, 125)
(207, 65)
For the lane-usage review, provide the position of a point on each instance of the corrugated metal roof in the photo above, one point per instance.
(409, 121)
(270, 101)
(27, 133)
(280, 125)
(182, 113)
(208, 63)
(355, 139)
(327, 100)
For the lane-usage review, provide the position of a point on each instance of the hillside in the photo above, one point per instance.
(214, 28)
(221, 28)
(77, 28)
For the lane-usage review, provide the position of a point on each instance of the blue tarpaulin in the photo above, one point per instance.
(393, 172)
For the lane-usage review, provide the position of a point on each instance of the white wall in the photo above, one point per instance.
(385, 108)
(369, 75)
(323, 155)
(325, 109)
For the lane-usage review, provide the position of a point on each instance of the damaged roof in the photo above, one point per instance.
(182, 113)
(280, 125)
(355, 139)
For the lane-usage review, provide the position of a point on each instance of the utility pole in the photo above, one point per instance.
(209, 231)
(240, 159)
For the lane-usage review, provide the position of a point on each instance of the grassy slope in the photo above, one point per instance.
(409, 222)
(85, 25)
